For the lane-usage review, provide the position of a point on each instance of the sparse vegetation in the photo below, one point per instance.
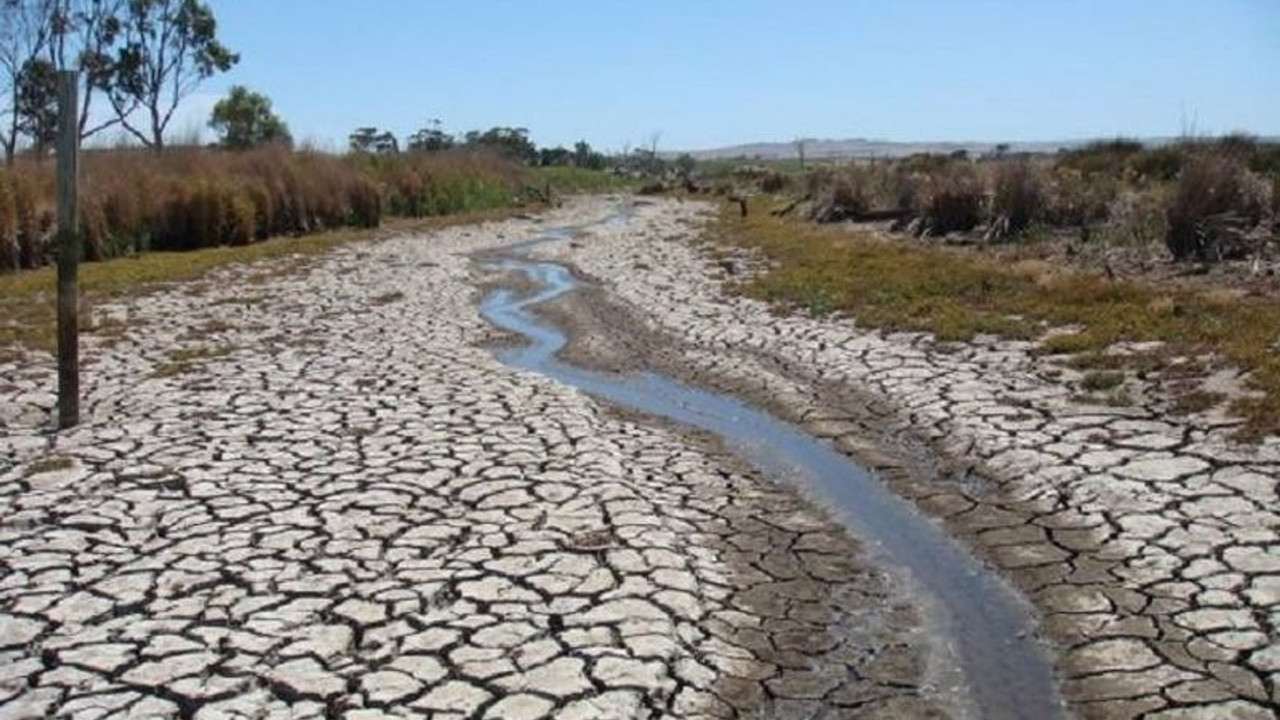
(887, 282)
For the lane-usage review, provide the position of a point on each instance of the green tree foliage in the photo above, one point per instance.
(168, 47)
(37, 103)
(40, 37)
(555, 157)
(585, 157)
(685, 165)
(24, 38)
(371, 140)
(84, 37)
(510, 142)
(244, 119)
(431, 139)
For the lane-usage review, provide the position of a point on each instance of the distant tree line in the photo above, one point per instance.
(139, 57)
(514, 142)
(511, 142)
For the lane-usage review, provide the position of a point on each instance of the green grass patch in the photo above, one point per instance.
(571, 180)
(899, 284)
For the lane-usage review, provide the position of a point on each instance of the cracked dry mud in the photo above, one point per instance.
(1151, 546)
(338, 504)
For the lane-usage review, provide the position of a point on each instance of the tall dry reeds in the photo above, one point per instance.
(136, 201)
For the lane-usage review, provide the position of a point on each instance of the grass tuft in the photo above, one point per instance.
(52, 463)
(1102, 380)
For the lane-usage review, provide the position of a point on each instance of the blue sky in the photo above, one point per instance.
(706, 73)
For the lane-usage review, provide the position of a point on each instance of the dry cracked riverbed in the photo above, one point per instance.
(317, 493)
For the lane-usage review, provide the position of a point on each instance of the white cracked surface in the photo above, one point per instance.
(1153, 545)
(339, 505)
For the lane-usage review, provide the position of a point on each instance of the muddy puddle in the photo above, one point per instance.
(981, 625)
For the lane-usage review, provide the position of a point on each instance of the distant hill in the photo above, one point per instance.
(863, 148)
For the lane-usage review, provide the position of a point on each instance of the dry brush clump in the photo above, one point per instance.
(1205, 200)
(841, 194)
(949, 199)
(858, 192)
(1076, 199)
(136, 201)
(1017, 198)
(1217, 203)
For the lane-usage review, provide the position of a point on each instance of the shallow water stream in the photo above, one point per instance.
(983, 625)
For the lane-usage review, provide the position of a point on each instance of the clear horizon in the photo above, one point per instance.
(716, 73)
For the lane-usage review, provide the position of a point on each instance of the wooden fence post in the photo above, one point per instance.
(68, 249)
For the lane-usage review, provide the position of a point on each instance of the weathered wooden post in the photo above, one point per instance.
(68, 249)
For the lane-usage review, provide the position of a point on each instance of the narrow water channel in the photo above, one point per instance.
(985, 625)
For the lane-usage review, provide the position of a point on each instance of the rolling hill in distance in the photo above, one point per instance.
(854, 148)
